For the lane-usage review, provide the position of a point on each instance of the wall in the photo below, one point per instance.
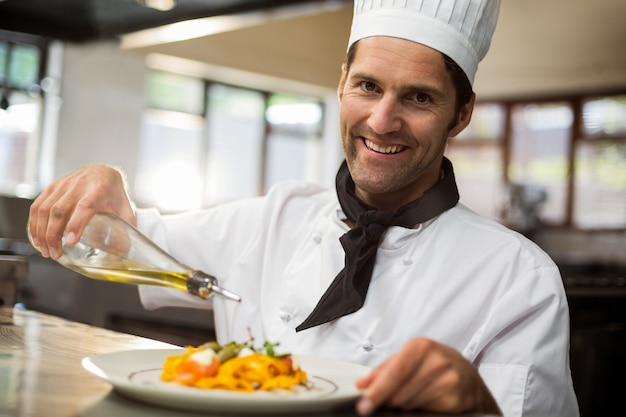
(555, 47)
(102, 100)
(576, 247)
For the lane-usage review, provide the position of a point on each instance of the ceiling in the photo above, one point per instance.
(537, 49)
(89, 20)
(303, 44)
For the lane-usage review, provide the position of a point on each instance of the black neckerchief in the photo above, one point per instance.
(346, 294)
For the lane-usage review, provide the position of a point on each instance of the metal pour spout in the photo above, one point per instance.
(205, 285)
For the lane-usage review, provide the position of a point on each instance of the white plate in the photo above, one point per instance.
(136, 374)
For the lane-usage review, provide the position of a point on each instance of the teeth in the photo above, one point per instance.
(383, 149)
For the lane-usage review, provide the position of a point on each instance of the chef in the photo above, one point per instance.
(454, 312)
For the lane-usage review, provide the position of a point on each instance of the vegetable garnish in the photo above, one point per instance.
(234, 367)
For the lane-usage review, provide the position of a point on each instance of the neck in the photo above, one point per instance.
(350, 223)
(419, 208)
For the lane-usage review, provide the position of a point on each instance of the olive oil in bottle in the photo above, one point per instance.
(110, 249)
(136, 276)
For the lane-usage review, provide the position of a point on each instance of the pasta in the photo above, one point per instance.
(234, 367)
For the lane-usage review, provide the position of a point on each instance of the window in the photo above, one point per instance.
(235, 143)
(169, 172)
(22, 61)
(205, 143)
(175, 92)
(540, 140)
(478, 165)
(604, 117)
(293, 143)
(559, 162)
(600, 164)
(524, 163)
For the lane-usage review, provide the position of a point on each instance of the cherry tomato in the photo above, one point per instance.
(191, 371)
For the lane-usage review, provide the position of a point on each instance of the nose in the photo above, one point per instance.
(385, 116)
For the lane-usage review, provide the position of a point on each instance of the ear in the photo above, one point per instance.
(465, 116)
(342, 82)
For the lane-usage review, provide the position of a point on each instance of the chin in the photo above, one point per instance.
(374, 185)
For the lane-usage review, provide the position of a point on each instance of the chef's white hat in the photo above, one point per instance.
(461, 29)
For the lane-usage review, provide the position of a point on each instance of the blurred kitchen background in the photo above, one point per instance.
(201, 102)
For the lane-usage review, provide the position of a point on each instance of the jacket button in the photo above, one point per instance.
(367, 346)
(407, 261)
(285, 316)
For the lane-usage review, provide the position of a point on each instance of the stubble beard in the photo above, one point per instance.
(380, 178)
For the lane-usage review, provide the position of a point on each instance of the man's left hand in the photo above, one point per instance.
(429, 376)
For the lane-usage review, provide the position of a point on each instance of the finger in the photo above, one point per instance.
(38, 220)
(31, 225)
(425, 388)
(379, 387)
(364, 405)
(78, 221)
(365, 381)
(117, 203)
(128, 213)
(53, 227)
(445, 382)
(55, 207)
(390, 377)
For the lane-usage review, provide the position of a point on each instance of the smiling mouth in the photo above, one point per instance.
(391, 149)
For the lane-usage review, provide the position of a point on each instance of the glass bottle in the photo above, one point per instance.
(111, 249)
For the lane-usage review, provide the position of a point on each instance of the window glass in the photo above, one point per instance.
(21, 113)
(175, 92)
(169, 171)
(604, 116)
(600, 184)
(24, 66)
(290, 157)
(235, 143)
(19, 139)
(539, 147)
(3, 58)
(478, 173)
(488, 123)
(245, 142)
(293, 146)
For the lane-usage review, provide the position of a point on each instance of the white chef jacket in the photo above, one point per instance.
(460, 279)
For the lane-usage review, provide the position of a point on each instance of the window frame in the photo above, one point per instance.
(268, 129)
(28, 184)
(576, 137)
(12, 39)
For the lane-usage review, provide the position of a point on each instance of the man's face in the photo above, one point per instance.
(397, 112)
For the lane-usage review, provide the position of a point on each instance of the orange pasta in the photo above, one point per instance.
(201, 368)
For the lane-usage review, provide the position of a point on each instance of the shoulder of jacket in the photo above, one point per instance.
(490, 231)
(296, 190)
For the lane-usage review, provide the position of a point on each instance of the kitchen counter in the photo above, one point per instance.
(41, 372)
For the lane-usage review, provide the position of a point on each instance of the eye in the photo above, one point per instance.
(421, 98)
(368, 86)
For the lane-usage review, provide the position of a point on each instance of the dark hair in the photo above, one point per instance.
(461, 83)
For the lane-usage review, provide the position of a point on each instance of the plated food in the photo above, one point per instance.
(136, 374)
(235, 367)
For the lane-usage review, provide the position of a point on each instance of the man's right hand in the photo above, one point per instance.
(70, 202)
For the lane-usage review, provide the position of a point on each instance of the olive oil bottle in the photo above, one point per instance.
(111, 249)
